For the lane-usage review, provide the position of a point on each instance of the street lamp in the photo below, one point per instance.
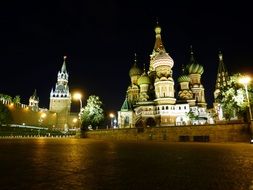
(78, 96)
(111, 116)
(245, 81)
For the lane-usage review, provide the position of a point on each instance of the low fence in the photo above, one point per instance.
(17, 131)
(194, 133)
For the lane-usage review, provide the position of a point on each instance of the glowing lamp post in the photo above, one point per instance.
(245, 81)
(111, 116)
(78, 96)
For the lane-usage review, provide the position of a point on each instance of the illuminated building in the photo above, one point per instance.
(151, 99)
(60, 98)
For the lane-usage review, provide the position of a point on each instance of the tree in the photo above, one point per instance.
(92, 114)
(7, 98)
(16, 99)
(5, 115)
(232, 98)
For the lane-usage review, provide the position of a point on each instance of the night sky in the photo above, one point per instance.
(100, 39)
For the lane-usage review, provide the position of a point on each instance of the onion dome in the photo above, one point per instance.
(135, 70)
(193, 67)
(183, 78)
(144, 79)
(163, 59)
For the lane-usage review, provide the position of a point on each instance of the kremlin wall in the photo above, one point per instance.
(58, 117)
(196, 133)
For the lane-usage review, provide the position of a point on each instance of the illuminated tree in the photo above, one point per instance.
(92, 114)
(6, 98)
(16, 99)
(232, 98)
(5, 115)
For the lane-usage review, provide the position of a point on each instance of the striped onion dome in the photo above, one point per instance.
(183, 78)
(193, 67)
(163, 59)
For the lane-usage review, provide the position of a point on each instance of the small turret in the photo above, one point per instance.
(34, 101)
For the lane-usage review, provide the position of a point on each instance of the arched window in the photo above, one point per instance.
(126, 122)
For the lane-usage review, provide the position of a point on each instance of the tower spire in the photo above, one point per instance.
(192, 59)
(157, 21)
(222, 76)
(144, 68)
(220, 56)
(63, 68)
(158, 42)
(35, 93)
(135, 59)
(182, 69)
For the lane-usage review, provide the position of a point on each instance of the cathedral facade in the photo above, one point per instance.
(151, 99)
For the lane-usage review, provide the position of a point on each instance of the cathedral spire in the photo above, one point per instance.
(222, 74)
(135, 59)
(192, 59)
(144, 68)
(158, 43)
(183, 69)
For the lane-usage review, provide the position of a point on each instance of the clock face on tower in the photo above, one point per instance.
(60, 87)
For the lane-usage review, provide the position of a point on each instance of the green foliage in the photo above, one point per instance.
(92, 114)
(233, 98)
(16, 99)
(5, 97)
(191, 115)
(5, 115)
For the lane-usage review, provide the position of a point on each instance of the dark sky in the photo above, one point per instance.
(101, 37)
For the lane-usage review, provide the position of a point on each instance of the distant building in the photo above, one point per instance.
(151, 99)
